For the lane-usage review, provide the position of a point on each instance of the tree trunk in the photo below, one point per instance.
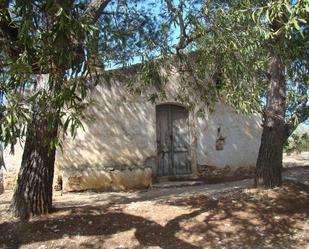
(269, 162)
(1, 181)
(33, 193)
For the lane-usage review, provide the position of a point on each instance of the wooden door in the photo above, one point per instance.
(172, 140)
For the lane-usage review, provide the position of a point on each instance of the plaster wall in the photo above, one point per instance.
(117, 148)
(77, 180)
(12, 165)
(240, 137)
(119, 129)
(121, 132)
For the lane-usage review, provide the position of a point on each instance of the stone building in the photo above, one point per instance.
(129, 142)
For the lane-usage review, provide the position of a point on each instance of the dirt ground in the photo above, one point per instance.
(225, 215)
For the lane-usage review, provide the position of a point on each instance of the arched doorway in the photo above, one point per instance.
(173, 140)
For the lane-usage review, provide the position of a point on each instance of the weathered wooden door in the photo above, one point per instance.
(172, 140)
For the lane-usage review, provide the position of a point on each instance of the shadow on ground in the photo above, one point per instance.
(243, 219)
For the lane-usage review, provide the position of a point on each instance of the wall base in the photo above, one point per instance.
(213, 174)
(117, 180)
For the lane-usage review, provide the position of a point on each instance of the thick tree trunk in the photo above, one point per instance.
(269, 162)
(33, 193)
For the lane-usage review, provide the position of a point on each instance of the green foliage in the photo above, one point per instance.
(234, 40)
(13, 122)
(233, 58)
(70, 45)
(150, 78)
(298, 142)
(222, 54)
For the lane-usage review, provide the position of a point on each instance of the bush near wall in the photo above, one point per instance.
(298, 142)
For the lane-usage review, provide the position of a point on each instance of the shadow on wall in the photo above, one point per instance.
(120, 129)
(119, 140)
(119, 132)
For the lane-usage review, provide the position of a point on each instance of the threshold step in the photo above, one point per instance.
(175, 184)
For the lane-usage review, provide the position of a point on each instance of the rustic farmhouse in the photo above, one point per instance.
(129, 142)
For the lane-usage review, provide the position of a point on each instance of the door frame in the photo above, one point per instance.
(175, 176)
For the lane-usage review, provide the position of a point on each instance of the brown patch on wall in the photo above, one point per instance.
(215, 174)
(220, 141)
(58, 183)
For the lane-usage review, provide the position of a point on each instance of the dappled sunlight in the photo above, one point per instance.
(119, 131)
(247, 220)
(204, 216)
(120, 134)
(147, 210)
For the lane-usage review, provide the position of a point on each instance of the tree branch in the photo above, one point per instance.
(9, 33)
(301, 115)
(4, 3)
(184, 40)
(95, 9)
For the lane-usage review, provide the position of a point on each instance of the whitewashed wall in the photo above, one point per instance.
(120, 134)
(238, 155)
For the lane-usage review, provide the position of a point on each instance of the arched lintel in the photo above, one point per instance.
(172, 103)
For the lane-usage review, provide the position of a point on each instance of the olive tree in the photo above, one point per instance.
(253, 55)
(50, 51)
